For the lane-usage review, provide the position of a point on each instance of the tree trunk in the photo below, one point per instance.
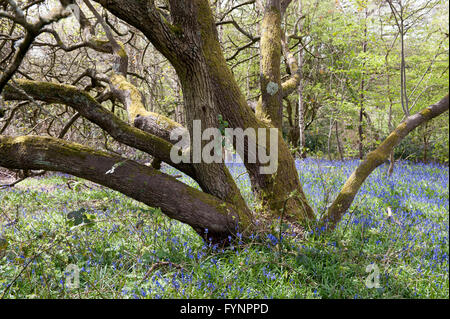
(272, 190)
(391, 164)
(338, 141)
(391, 104)
(362, 95)
(301, 111)
(293, 136)
(270, 107)
(426, 143)
(330, 134)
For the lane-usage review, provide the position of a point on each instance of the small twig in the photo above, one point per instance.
(280, 235)
(22, 179)
(158, 265)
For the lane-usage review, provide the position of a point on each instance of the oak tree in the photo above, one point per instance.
(186, 34)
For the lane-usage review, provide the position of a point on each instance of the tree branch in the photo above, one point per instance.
(31, 32)
(89, 108)
(142, 183)
(375, 159)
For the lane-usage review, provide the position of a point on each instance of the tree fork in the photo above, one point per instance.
(232, 105)
(177, 41)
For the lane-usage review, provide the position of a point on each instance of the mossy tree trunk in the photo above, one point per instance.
(271, 107)
(229, 101)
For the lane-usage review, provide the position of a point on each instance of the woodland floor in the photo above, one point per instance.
(125, 249)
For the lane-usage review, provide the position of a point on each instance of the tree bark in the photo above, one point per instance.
(362, 94)
(188, 42)
(330, 134)
(301, 108)
(272, 190)
(270, 107)
(338, 141)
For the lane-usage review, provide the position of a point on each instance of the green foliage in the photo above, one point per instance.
(315, 142)
(80, 217)
(336, 63)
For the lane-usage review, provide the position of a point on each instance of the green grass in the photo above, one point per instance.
(125, 249)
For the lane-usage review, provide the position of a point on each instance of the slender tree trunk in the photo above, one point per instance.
(391, 105)
(338, 141)
(404, 93)
(390, 126)
(360, 126)
(179, 105)
(271, 50)
(293, 136)
(330, 133)
(220, 27)
(425, 150)
(391, 163)
(362, 96)
(426, 143)
(301, 111)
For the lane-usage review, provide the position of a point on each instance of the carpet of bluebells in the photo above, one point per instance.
(124, 249)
